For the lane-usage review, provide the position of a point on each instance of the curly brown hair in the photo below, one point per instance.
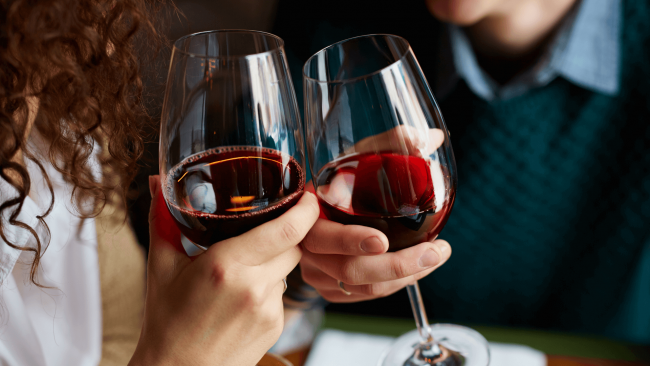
(82, 61)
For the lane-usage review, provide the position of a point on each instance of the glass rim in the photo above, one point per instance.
(343, 81)
(250, 31)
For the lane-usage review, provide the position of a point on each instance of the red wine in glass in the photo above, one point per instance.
(224, 192)
(383, 157)
(390, 192)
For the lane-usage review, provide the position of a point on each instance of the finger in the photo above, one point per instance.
(280, 266)
(406, 139)
(278, 289)
(309, 187)
(361, 270)
(382, 289)
(337, 296)
(323, 282)
(328, 237)
(166, 253)
(274, 308)
(417, 142)
(332, 292)
(400, 138)
(435, 139)
(267, 241)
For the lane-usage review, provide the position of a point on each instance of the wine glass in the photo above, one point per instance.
(381, 157)
(231, 145)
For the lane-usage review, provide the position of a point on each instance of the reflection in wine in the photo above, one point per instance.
(224, 192)
(402, 196)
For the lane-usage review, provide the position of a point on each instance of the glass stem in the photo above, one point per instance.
(418, 312)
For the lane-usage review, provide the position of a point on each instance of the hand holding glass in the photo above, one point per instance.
(231, 147)
(380, 157)
(232, 159)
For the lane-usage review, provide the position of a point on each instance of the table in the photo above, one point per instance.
(562, 349)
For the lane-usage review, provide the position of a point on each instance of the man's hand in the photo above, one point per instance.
(356, 255)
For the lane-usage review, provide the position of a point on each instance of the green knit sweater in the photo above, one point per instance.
(551, 225)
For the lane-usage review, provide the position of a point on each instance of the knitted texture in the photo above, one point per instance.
(551, 225)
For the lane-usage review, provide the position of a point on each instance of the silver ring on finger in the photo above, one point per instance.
(342, 287)
(284, 281)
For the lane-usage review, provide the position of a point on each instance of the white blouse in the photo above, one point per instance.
(61, 325)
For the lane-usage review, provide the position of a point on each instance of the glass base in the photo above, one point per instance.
(453, 345)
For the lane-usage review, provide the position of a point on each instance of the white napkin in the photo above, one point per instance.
(338, 348)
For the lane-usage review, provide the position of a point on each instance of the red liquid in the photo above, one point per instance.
(225, 192)
(392, 193)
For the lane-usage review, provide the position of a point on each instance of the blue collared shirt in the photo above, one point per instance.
(585, 51)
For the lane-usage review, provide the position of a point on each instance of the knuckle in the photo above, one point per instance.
(218, 275)
(399, 269)
(289, 233)
(310, 243)
(377, 290)
(309, 276)
(269, 316)
(246, 300)
(373, 290)
(343, 244)
(252, 301)
(347, 273)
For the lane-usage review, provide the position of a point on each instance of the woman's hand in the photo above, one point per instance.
(223, 307)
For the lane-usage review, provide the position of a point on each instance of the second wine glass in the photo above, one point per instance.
(231, 146)
(380, 156)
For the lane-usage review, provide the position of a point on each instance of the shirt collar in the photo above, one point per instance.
(585, 51)
(591, 58)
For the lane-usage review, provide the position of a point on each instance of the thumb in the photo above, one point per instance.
(166, 254)
(309, 187)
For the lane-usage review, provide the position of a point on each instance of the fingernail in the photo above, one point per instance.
(310, 194)
(152, 185)
(429, 259)
(314, 202)
(443, 246)
(372, 245)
